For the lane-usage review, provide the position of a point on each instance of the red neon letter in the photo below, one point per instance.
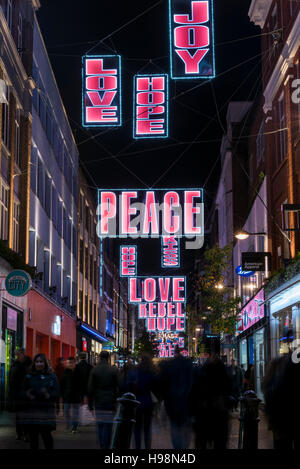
(191, 37)
(164, 288)
(192, 62)
(150, 214)
(101, 83)
(95, 67)
(132, 291)
(127, 211)
(199, 14)
(189, 210)
(101, 114)
(106, 99)
(150, 289)
(107, 209)
(177, 288)
(171, 224)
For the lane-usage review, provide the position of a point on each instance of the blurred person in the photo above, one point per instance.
(142, 382)
(103, 389)
(128, 366)
(40, 390)
(83, 369)
(58, 370)
(17, 374)
(211, 403)
(281, 388)
(236, 376)
(176, 380)
(71, 392)
(249, 378)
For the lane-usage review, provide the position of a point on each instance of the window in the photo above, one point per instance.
(17, 137)
(16, 219)
(54, 206)
(5, 117)
(59, 217)
(46, 270)
(20, 34)
(41, 181)
(4, 211)
(282, 125)
(260, 144)
(8, 13)
(33, 167)
(48, 195)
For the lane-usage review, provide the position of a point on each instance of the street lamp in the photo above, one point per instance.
(243, 234)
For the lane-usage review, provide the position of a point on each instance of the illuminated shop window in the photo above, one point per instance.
(16, 219)
(4, 191)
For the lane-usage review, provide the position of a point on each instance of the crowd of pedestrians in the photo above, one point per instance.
(198, 399)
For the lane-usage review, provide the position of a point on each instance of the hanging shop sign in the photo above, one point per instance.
(170, 255)
(256, 261)
(150, 213)
(101, 94)
(128, 261)
(18, 283)
(244, 273)
(252, 312)
(151, 106)
(191, 39)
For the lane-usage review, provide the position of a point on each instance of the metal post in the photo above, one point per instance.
(249, 421)
(124, 421)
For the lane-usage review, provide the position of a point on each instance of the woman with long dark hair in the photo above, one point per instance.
(40, 391)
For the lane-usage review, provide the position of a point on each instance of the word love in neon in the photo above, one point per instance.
(101, 91)
(151, 106)
(140, 213)
(157, 289)
(191, 36)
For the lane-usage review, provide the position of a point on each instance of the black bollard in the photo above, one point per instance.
(124, 421)
(249, 421)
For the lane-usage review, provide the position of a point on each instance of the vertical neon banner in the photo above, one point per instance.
(151, 106)
(101, 91)
(170, 251)
(191, 26)
(128, 261)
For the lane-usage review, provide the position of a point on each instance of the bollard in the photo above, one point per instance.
(249, 420)
(124, 421)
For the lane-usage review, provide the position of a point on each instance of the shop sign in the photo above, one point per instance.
(255, 261)
(84, 344)
(244, 273)
(18, 283)
(56, 326)
(252, 312)
(109, 346)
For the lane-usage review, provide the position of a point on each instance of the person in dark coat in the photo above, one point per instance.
(176, 380)
(17, 374)
(281, 388)
(71, 392)
(211, 404)
(40, 390)
(142, 383)
(103, 390)
(83, 369)
(236, 376)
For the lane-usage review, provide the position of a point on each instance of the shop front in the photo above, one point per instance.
(284, 306)
(89, 340)
(49, 329)
(12, 337)
(252, 339)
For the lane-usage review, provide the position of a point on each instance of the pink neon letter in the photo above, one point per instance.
(177, 288)
(171, 224)
(132, 291)
(192, 62)
(150, 289)
(107, 209)
(150, 214)
(199, 14)
(191, 37)
(127, 211)
(189, 227)
(164, 288)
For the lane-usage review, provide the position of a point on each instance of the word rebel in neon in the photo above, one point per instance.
(128, 261)
(151, 103)
(191, 38)
(153, 213)
(157, 289)
(170, 252)
(101, 91)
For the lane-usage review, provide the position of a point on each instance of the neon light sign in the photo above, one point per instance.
(170, 252)
(191, 39)
(151, 106)
(101, 98)
(150, 213)
(252, 312)
(128, 261)
(244, 273)
(161, 302)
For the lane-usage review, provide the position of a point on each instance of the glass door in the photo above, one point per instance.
(259, 361)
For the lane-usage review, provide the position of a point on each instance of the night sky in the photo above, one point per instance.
(71, 27)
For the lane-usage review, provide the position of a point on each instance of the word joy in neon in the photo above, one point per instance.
(101, 91)
(191, 39)
(151, 102)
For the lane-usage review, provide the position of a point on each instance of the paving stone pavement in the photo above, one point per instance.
(86, 437)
